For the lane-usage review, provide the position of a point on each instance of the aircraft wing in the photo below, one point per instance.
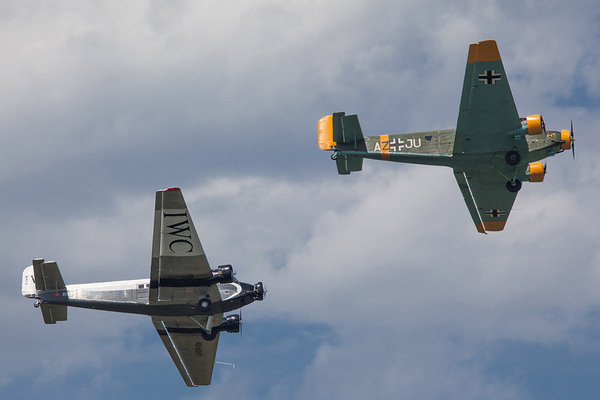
(487, 199)
(487, 109)
(179, 264)
(193, 355)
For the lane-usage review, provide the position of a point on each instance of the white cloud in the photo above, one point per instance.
(222, 99)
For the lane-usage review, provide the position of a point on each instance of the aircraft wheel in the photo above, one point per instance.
(512, 157)
(514, 187)
(205, 304)
(335, 155)
(36, 304)
(210, 336)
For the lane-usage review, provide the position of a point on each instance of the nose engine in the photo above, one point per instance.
(259, 291)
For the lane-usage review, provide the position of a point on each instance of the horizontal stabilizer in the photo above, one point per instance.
(53, 313)
(47, 275)
(346, 164)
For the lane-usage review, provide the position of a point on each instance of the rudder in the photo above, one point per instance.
(340, 129)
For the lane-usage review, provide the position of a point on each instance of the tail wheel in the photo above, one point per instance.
(514, 187)
(205, 304)
(512, 157)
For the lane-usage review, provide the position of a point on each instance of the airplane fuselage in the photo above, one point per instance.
(132, 297)
(437, 148)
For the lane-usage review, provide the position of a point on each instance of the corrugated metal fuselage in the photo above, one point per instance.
(132, 297)
(437, 148)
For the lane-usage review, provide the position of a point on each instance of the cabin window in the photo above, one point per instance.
(140, 286)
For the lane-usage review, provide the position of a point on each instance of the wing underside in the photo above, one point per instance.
(486, 197)
(487, 108)
(193, 356)
(179, 264)
(178, 277)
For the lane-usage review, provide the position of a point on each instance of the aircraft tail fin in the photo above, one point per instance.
(44, 276)
(341, 129)
(338, 129)
(47, 275)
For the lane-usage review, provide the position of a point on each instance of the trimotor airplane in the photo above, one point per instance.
(491, 150)
(184, 297)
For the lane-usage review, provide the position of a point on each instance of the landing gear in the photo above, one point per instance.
(37, 304)
(205, 304)
(512, 157)
(210, 336)
(335, 154)
(514, 187)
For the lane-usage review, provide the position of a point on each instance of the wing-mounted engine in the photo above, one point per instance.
(230, 324)
(223, 274)
(535, 124)
(536, 172)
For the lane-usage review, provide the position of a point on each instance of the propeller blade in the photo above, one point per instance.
(543, 124)
(572, 140)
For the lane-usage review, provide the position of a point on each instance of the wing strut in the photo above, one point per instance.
(209, 324)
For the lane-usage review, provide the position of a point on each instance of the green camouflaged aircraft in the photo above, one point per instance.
(491, 150)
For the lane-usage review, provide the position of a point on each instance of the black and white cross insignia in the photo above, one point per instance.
(495, 213)
(396, 145)
(489, 77)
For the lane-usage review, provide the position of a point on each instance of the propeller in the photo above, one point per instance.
(241, 324)
(572, 140)
(543, 124)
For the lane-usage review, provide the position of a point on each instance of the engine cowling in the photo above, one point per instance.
(259, 291)
(223, 274)
(535, 124)
(536, 172)
(231, 324)
(565, 136)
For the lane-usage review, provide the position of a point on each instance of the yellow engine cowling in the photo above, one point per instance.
(535, 124)
(565, 136)
(536, 172)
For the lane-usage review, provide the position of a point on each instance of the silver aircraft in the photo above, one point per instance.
(184, 297)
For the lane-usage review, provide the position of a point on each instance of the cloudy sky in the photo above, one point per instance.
(379, 284)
